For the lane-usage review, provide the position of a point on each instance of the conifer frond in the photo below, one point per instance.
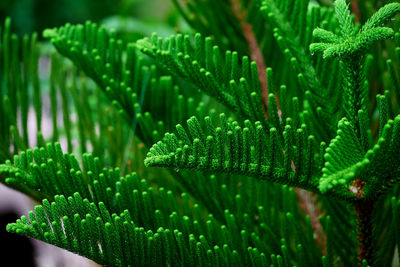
(350, 47)
(248, 150)
(291, 33)
(349, 42)
(124, 77)
(111, 239)
(381, 16)
(116, 239)
(23, 89)
(121, 221)
(88, 230)
(345, 161)
(19, 90)
(345, 19)
(339, 47)
(231, 80)
(48, 171)
(293, 23)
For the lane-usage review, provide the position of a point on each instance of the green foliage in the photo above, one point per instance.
(377, 168)
(126, 79)
(233, 149)
(316, 119)
(223, 77)
(350, 42)
(104, 223)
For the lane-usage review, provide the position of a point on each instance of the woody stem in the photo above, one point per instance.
(355, 9)
(363, 210)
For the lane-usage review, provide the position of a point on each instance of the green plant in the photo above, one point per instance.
(317, 135)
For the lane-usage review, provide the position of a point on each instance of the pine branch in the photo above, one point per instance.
(19, 60)
(122, 221)
(90, 230)
(233, 84)
(233, 149)
(350, 46)
(376, 168)
(292, 33)
(277, 17)
(124, 77)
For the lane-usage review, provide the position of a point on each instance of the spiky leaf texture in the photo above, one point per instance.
(199, 151)
(293, 23)
(246, 150)
(346, 162)
(122, 221)
(204, 65)
(350, 46)
(124, 77)
(19, 89)
(320, 131)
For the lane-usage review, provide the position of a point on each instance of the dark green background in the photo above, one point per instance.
(37, 15)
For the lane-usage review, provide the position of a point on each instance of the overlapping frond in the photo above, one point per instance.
(122, 221)
(23, 89)
(111, 239)
(19, 90)
(231, 80)
(123, 76)
(293, 23)
(382, 16)
(346, 163)
(350, 42)
(248, 150)
(90, 230)
(350, 46)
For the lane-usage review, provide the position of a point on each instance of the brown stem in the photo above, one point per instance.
(307, 203)
(363, 209)
(355, 9)
(255, 51)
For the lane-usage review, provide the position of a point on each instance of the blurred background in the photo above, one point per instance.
(124, 15)
(132, 19)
